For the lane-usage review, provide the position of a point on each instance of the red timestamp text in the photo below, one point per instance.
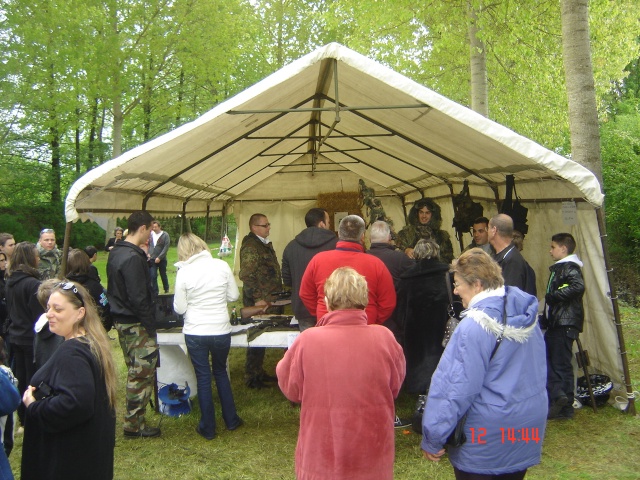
(507, 435)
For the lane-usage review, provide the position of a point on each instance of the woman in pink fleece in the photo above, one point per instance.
(345, 374)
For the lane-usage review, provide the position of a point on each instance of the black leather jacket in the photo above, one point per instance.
(564, 296)
(129, 286)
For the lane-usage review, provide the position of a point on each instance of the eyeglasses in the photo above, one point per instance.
(71, 286)
(47, 230)
(266, 225)
(456, 284)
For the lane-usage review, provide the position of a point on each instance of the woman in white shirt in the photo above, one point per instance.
(203, 287)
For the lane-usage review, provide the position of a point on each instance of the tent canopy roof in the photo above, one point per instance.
(321, 123)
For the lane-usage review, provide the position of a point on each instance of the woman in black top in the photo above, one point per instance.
(70, 405)
(24, 310)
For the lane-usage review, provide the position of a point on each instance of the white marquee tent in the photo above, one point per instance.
(333, 117)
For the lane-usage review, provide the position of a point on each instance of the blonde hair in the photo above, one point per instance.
(345, 288)
(45, 289)
(94, 333)
(190, 245)
(476, 265)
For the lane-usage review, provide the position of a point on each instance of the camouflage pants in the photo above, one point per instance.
(140, 352)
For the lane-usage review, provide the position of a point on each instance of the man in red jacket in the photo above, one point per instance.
(349, 252)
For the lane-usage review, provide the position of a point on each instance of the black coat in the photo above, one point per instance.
(297, 255)
(23, 306)
(129, 286)
(564, 296)
(71, 434)
(422, 313)
(92, 283)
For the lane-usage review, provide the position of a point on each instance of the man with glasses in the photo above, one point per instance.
(480, 232)
(50, 256)
(133, 314)
(261, 277)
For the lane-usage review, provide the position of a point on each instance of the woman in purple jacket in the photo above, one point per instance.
(503, 396)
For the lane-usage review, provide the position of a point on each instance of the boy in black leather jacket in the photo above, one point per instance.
(565, 316)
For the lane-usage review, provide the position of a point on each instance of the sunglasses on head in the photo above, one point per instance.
(71, 286)
(46, 230)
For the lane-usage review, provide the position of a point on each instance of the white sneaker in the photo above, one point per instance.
(577, 404)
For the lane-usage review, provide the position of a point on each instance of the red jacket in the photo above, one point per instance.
(382, 294)
(345, 374)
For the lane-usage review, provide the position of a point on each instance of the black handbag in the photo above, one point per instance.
(457, 438)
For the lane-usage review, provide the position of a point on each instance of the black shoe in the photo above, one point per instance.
(238, 425)
(265, 377)
(556, 407)
(255, 383)
(145, 432)
(199, 432)
(401, 422)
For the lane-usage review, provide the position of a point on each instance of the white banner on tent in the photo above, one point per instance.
(569, 213)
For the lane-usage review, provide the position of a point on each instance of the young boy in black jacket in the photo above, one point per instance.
(565, 316)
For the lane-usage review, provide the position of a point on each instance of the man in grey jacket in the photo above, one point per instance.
(317, 237)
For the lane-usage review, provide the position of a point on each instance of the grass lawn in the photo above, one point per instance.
(597, 446)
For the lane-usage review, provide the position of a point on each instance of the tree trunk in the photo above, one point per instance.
(118, 119)
(583, 113)
(93, 131)
(479, 89)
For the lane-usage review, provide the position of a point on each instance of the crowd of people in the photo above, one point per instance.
(379, 315)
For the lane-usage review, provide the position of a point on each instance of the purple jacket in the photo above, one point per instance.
(505, 398)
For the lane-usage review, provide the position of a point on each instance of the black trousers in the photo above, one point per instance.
(559, 344)
(460, 475)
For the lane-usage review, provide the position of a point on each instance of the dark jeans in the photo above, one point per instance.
(199, 347)
(559, 344)
(24, 370)
(153, 271)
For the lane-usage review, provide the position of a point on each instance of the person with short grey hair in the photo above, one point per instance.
(426, 249)
(349, 252)
(351, 228)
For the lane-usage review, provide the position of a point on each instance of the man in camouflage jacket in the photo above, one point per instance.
(261, 276)
(50, 256)
(424, 221)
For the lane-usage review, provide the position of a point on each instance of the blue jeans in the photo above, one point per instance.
(199, 347)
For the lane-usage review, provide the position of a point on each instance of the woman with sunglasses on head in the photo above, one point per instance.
(70, 405)
(24, 310)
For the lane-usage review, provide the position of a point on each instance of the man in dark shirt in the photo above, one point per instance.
(317, 237)
(515, 269)
(133, 314)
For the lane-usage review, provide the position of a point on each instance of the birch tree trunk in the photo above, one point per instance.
(583, 113)
(478, 57)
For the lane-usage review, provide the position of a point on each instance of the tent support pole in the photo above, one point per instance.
(65, 250)
(206, 223)
(631, 408)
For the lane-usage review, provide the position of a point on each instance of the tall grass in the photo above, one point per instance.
(602, 445)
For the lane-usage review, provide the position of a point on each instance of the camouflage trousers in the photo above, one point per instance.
(140, 352)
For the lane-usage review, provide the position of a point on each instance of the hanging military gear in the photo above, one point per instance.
(465, 211)
(514, 209)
